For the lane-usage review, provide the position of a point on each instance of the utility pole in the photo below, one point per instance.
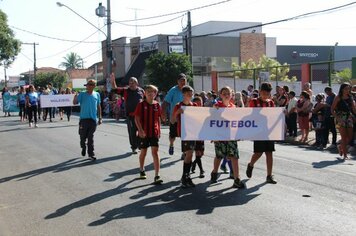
(34, 61)
(190, 45)
(136, 27)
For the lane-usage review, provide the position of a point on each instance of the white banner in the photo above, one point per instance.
(62, 100)
(204, 123)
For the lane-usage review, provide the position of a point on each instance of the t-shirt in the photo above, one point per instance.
(292, 104)
(178, 106)
(89, 105)
(131, 98)
(221, 104)
(21, 98)
(149, 115)
(258, 102)
(33, 98)
(173, 97)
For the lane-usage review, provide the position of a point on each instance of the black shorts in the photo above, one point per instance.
(263, 146)
(188, 146)
(199, 146)
(173, 130)
(144, 143)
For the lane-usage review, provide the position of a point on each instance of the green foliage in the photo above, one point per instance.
(250, 68)
(9, 46)
(342, 76)
(72, 61)
(163, 70)
(56, 78)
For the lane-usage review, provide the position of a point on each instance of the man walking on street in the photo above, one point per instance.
(90, 110)
(133, 95)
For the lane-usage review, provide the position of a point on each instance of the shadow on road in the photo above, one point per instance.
(64, 166)
(323, 164)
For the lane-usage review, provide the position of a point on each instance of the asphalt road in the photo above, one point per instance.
(47, 188)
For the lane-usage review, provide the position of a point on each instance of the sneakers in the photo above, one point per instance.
(157, 180)
(249, 170)
(30, 125)
(201, 175)
(83, 151)
(92, 157)
(171, 150)
(36, 125)
(134, 151)
(238, 184)
(270, 179)
(187, 182)
(224, 169)
(214, 178)
(143, 175)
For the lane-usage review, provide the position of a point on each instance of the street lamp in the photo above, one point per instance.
(100, 11)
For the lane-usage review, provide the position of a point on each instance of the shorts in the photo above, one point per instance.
(188, 146)
(144, 143)
(173, 130)
(199, 146)
(263, 146)
(344, 120)
(226, 149)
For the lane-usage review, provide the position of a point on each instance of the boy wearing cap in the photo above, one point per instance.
(90, 110)
(260, 147)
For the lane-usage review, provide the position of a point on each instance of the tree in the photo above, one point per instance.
(72, 61)
(56, 78)
(9, 46)
(162, 70)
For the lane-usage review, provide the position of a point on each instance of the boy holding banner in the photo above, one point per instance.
(260, 147)
(227, 149)
(147, 118)
(187, 146)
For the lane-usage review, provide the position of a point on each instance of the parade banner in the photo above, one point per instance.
(62, 100)
(10, 103)
(222, 124)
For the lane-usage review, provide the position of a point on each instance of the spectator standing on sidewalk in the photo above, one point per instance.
(303, 108)
(291, 115)
(133, 95)
(173, 97)
(21, 103)
(343, 109)
(329, 118)
(90, 110)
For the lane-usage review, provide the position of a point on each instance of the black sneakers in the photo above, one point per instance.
(270, 179)
(92, 157)
(214, 178)
(238, 184)
(187, 182)
(171, 150)
(249, 170)
(201, 175)
(157, 180)
(83, 151)
(143, 175)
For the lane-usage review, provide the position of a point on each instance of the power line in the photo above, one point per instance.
(153, 24)
(309, 14)
(50, 37)
(174, 13)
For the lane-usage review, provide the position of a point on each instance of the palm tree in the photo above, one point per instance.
(72, 61)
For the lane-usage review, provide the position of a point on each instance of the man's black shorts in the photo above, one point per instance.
(173, 130)
(263, 146)
(144, 143)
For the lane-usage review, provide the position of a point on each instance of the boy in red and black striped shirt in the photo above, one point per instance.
(260, 147)
(187, 146)
(147, 119)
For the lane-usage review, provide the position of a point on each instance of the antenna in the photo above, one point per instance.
(136, 27)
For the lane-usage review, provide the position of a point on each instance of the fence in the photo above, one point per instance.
(322, 74)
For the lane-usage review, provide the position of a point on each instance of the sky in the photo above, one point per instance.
(62, 31)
